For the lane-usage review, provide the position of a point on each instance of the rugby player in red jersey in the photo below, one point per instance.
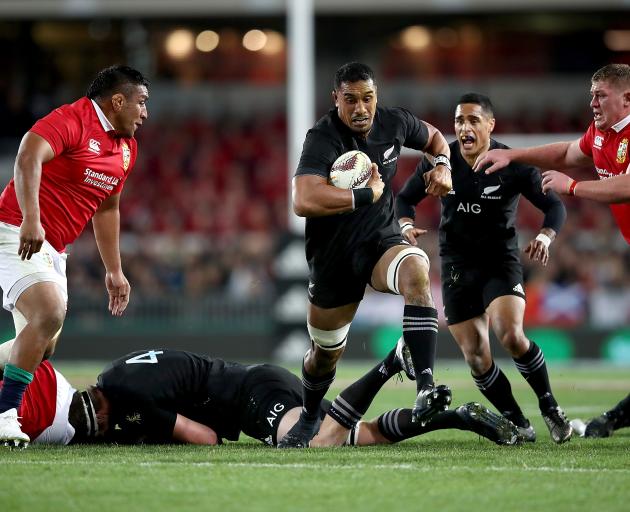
(70, 168)
(46, 407)
(604, 145)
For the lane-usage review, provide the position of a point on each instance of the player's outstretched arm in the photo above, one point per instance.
(615, 189)
(191, 432)
(559, 155)
(106, 223)
(313, 196)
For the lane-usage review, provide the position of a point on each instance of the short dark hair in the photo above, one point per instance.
(614, 74)
(353, 72)
(115, 79)
(478, 99)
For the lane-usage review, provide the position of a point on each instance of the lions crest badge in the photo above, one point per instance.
(622, 151)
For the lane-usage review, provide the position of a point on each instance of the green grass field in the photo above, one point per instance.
(446, 471)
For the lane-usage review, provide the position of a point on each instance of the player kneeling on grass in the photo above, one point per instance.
(165, 396)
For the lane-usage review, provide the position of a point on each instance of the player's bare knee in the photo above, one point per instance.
(408, 275)
(416, 289)
(50, 350)
(514, 341)
(48, 323)
(478, 361)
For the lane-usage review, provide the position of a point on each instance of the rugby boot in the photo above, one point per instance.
(430, 401)
(602, 426)
(403, 358)
(10, 433)
(300, 434)
(526, 431)
(527, 434)
(558, 425)
(486, 423)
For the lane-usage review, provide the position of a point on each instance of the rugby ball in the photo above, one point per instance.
(351, 170)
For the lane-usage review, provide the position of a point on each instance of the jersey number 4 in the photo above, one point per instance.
(149, 357)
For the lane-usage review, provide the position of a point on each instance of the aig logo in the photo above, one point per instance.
(272, 414)
(469, 208)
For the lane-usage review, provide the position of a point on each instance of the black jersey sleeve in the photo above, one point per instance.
(133, 419)
(416, 135)
(413, 191)
(550, 203)
(319, 152)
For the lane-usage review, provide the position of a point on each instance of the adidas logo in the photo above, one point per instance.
(519, 289)
(426, 371)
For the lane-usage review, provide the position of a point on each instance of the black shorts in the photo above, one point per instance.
(468, 289)
(342, 280)
(269, 392)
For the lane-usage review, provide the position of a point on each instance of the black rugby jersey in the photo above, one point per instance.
(479, 214)
(147, 389)
(392, 129)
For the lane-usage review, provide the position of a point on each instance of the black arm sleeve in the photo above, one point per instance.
(416, 134)
(412, 192)
(550, 204)
(319, 152)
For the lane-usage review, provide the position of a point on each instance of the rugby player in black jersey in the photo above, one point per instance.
(165, 396)
(482, 276)
(353, 239)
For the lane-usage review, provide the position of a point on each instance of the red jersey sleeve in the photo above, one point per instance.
(61, 129)
(586, 142)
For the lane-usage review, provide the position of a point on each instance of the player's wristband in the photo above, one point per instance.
(404, 227)
(541, 237)
(362, 197)
(572, 187)
(442, 160)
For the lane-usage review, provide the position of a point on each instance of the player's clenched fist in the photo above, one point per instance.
(438, 181)
(376, 183)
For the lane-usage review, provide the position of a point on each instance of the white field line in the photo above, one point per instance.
(352, 467)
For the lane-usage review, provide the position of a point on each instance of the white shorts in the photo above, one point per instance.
(16, 275)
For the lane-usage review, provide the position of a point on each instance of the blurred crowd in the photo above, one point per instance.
(207, 203)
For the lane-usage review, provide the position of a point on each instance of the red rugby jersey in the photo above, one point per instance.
(90, 164)
(609, 151)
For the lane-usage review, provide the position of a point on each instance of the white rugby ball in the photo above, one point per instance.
(351, 170)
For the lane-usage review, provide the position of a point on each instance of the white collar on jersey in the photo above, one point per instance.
(621, 124)
(107, 126)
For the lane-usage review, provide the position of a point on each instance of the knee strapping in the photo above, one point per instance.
(329, 340)
(393, 270)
